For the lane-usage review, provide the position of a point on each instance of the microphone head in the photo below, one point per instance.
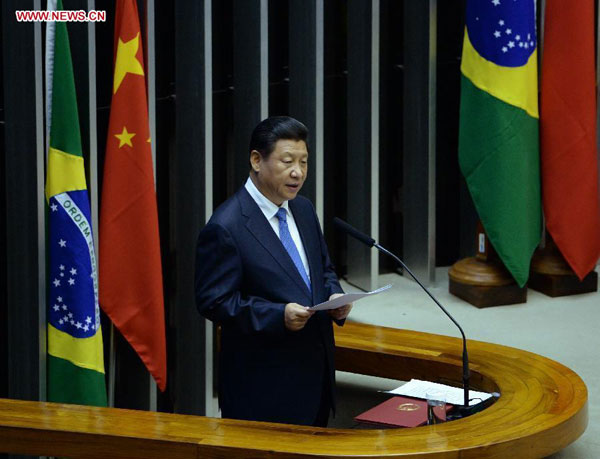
(350, 230)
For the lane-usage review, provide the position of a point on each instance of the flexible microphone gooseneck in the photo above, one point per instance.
(370, 242)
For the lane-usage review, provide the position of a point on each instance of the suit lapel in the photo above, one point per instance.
(261, 229)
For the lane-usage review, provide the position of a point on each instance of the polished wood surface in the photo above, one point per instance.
(542, 408)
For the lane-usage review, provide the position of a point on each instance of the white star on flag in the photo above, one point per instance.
(496, 2)
(61, 267)
(78, 324)
(65, 318)
(517, 37)
(73, 271)
(64, 307)
(62, 243)
(59, 299)
(520, 44)
(54, 207)
(61, 321)
(526, 45)
(511, 44)
(504, 49)
(70, 315)
(88, 320)
(56, 307)
(72, 322)
(500, 22)
(62, 274)
(71, 281)
(508, 31)
(56, 282)
(86, 328)
(497, 34)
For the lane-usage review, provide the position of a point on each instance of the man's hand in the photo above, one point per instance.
(296, 316)
(342, 312)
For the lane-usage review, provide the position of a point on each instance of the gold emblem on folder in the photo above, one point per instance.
(408, 407)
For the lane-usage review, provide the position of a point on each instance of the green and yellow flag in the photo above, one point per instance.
(75, 352)
(499, 127)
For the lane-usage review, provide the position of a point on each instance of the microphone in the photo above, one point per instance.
(346, 228)
(370, 242)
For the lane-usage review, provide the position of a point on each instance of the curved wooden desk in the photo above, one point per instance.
(543, 408)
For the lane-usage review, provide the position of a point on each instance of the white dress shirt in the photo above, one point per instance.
(269, 209)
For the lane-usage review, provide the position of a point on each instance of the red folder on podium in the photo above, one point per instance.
(398, 412)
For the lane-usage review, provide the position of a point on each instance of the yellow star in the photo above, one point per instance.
(125, 137)
(126, 61)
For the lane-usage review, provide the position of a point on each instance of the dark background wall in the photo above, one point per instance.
(172, 19)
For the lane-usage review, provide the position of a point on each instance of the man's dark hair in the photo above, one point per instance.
(269, 131)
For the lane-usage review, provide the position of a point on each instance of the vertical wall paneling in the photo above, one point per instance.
(23, 158)
(151, 81)
(362, 134)
(209, 357)
(41, 207)
(319, 134)
(431, 137)
(188, 210)
(420, 24)
(3, 241)
(335, 100)
(250, 77)
(306, 87)
(264, 59)
(93, 162)
(375, 82)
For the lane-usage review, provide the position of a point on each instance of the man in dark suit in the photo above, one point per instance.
(261, 262)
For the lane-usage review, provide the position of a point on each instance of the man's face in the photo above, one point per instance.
(282, 174)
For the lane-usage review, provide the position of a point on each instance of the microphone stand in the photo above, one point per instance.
(465, 357)
(465, 410)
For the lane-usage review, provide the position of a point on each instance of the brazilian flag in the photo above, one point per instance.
(75, 352)
(499, 126)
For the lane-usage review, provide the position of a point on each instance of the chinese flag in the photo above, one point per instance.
(568, 133)
(131, 290)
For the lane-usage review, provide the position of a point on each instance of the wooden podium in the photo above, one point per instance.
(542, 409)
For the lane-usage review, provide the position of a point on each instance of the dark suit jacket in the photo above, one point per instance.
(244, 279)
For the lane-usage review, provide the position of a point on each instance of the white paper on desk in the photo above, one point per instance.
(347, 298)
(454, 395)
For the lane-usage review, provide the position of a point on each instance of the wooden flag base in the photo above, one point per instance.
(484, 283)
(483, 280)
(551, 274)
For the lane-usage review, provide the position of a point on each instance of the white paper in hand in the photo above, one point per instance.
(347, 298)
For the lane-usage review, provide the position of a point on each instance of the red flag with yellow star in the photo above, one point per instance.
(131, 290)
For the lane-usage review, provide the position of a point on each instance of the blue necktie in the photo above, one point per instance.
(290, 246)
